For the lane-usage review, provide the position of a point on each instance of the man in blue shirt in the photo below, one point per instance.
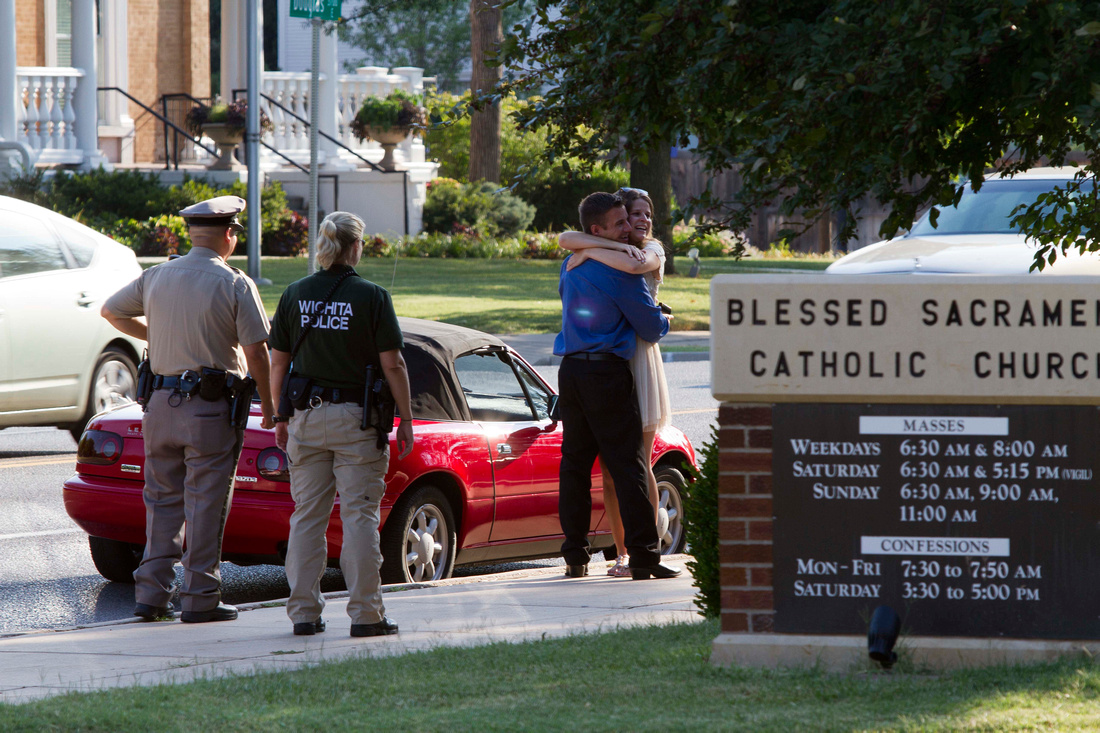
(602, 310)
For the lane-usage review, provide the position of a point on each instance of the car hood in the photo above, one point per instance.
(987, 254)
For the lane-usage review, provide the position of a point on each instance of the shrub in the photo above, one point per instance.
(30, 185)
(559, 192)
(234, 115)
(154, 237)
(289, 239)
(98, 195)
(701, 529)
(477, 207)
(711, 244)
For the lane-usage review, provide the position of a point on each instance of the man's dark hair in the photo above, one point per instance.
(595, 206)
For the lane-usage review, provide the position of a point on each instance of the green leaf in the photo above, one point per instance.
(1092, 28)
(799, 83)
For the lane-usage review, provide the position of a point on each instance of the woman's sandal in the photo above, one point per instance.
(620, 569)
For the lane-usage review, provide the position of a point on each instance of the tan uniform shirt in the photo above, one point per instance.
(199, 309)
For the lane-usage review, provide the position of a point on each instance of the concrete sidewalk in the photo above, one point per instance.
(538, 348)
(513, 607)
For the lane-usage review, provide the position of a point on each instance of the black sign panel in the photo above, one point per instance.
(966, 520)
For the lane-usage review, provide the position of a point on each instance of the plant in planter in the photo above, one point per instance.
(388, 120)
(225, 125)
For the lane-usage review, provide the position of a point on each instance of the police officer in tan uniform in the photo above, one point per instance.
(204, 322)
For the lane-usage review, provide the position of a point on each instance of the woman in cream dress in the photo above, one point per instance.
(645, 256)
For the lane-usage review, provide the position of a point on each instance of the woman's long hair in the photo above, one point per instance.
(338, 235)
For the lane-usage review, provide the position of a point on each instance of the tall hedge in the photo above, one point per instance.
(701, 529)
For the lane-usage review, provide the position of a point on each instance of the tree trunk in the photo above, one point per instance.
(655, 176)
(486, 35)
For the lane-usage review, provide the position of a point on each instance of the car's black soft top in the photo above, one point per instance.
(430, 350)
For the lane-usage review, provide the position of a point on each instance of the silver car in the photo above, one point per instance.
(974, 237)
(60, 362)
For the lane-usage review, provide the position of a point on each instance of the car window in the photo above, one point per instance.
(80, 243)
(492, 391)
(989, 211)
(26, 246)
(540, 396)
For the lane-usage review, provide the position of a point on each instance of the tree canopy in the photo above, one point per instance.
(820, 103)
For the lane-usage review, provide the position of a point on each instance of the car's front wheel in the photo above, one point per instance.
(670, 510)
(114, 382)
(115, 560)
(419, 540)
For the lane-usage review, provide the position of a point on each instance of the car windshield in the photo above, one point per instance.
(987, 211)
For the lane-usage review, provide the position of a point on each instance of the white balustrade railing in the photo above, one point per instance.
(291, 90)
(45, 116)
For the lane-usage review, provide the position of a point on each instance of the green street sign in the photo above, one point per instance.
(323, 9)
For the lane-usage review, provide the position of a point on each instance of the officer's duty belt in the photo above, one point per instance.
(336, 395)
(162, 382)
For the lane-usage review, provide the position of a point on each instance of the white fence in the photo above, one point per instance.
(45, 115)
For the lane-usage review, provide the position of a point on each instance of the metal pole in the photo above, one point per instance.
(314, 116)
(252, 141)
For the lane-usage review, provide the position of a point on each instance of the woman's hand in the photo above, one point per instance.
(577, 258)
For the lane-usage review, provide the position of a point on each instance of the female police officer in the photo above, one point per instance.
(353, 328)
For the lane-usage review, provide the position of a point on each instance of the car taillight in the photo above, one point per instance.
(273, 465)
(99, 448)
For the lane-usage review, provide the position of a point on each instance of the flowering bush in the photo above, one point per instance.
(397, 110)
(289, 238)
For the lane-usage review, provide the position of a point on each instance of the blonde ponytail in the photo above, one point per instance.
(337, 237)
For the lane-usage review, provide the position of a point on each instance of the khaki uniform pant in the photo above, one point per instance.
(330, 455)
(191, 454)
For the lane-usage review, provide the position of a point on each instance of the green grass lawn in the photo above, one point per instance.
(647, 679)
(510, 296)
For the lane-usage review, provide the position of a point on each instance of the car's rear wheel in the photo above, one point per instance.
(115, 560)
(419, 540)
(114, 382)
(670, 510)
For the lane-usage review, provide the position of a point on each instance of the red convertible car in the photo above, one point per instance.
(481, 484)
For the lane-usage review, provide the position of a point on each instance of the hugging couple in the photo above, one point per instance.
(612, 393)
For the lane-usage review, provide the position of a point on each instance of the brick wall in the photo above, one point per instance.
(745, 516)
(169, 53)
(30, 33)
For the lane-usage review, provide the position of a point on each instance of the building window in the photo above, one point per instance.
(59, 32)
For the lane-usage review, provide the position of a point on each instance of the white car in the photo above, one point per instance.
(974, 237)
(60, 361)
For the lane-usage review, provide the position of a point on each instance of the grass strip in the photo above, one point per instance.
(509, 296)
(641, 679)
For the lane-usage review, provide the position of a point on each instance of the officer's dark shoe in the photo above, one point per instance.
(576, 571)
(653, 571)
(152, 613)
(223, 612)
(385, 627)
(309, 628)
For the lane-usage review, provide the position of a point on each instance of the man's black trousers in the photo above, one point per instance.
(599, 414)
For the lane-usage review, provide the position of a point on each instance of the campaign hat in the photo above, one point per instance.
(220, 211)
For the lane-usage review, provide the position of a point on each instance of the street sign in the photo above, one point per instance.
(323, 9)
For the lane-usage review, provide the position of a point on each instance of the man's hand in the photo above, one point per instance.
(281, 435)
(404, 437)
(266, 422)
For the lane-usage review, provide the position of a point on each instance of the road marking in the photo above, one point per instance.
(43, 533)
(695, 412)
(27, 462)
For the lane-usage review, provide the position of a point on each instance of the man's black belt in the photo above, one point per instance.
(336, 395)
(595, 356)
(162, 382)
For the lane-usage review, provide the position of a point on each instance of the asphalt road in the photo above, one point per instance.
(47, 579)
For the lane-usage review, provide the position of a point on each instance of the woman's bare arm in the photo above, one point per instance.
(577, 241)
(616, 259)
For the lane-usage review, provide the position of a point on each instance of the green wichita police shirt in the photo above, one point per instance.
(348, 332)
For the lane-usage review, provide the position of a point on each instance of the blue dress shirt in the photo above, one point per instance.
(603, 308)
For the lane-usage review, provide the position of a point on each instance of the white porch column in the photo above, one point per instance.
(8, 86)
(85, 105)
(115, 63)
(234, 48)
(328, 111)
